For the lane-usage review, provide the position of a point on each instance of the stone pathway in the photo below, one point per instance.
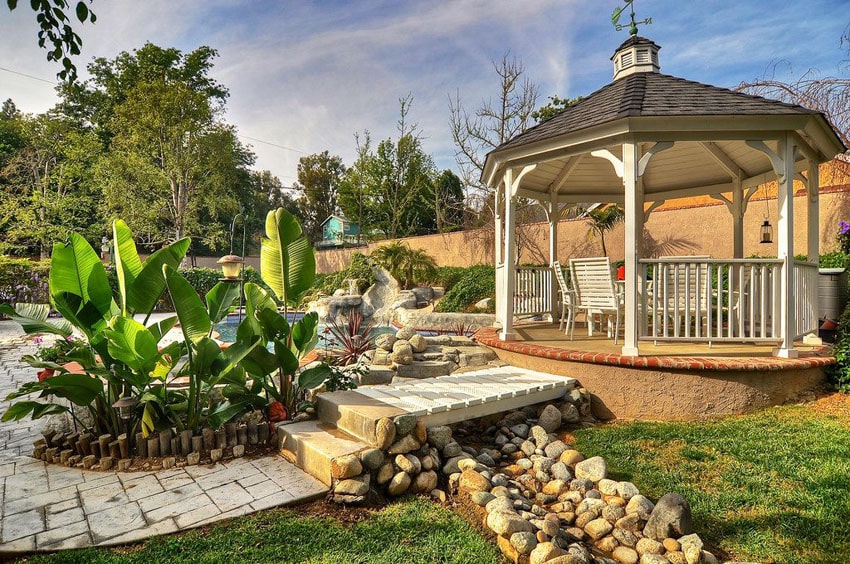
(49, 507)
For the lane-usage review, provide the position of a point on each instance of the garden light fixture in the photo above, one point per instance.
(231, 267)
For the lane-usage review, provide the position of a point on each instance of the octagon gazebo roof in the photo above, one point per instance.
(709, 125)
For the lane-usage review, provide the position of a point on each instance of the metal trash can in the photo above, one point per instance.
(832, 298)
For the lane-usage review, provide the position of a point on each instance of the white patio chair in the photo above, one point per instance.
(595, 291)
(567, 297)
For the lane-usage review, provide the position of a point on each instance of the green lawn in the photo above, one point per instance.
(768, 487)
(408, 532)
(773, 486)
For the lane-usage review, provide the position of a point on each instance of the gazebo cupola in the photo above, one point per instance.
(636, 54)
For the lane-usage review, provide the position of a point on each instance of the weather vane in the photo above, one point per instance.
(615, 18)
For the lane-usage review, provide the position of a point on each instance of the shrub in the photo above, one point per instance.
(359, 269)
(23, 280)
(409, 266)
(836, 259)
(448, 276)
(477, 283)
(839, 373)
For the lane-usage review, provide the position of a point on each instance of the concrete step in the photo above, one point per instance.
(354, 413)
(312, 445)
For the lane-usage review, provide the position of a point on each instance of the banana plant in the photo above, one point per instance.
(288, 267)
(81, 293)
(208, 366)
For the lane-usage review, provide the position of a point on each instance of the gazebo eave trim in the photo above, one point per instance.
(667, 128)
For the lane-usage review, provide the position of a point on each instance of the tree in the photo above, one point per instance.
(827, 94)
(406, 265)
(48, 189)
(319, 178)
(448, 201)
(553, 107)
(261, 194)
(56, 28)
(386, 190)
(604, 219)
(173, 166)
(477, 133)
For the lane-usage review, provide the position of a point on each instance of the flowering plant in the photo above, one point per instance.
(844, 236)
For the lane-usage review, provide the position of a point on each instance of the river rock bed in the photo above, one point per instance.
(542, 499)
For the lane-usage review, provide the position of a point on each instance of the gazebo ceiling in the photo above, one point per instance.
(709, 127)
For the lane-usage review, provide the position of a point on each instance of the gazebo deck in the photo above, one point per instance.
(545, 340)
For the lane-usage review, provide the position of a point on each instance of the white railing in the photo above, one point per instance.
(697, 299)
(806, 298)
(534, 291)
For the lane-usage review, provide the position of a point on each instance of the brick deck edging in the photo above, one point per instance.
(817, 358)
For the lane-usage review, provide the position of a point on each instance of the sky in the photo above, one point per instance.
(305, 76)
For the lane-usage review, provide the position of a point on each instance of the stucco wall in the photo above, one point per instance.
(698, 230)
(669, 395)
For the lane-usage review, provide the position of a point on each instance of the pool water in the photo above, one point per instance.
(227, 330)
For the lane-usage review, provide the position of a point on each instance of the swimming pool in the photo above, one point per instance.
(227, 329)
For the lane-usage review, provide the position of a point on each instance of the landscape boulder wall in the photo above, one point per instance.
(544, 501)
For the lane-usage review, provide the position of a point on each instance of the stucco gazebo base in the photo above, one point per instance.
(668, 387)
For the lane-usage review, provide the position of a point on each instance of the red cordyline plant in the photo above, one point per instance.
(351, 338)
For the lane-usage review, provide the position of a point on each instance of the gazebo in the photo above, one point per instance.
(646, 138)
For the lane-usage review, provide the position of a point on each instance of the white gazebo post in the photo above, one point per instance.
(554, 215)
(785, 246)
(813, 215)
(508, 286)
(634, 230)
(737, 208)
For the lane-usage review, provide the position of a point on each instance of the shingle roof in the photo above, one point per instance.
(645, 94)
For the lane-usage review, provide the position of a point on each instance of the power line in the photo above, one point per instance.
(54, 83)
(272, 144)
(51, 82)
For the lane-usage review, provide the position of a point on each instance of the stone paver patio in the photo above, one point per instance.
(48, 507)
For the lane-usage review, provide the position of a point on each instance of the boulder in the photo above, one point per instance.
(571, 457)
(550, 419)
(692, 547)
(353, 487)
(506, 523)
(372, 458)
(404, 424)
(569, 413)
(424, 482)
(593, 469)
(405, 333)
(439, 436)
(402, 353)
(598, 528)
(625, 555)
(545, 552)
(471, 481)
(670, 518)
(641, 506)
(404, 445)
(346, 466)
(524, 542)
(418, 343)
(384, 433)
(385, 342)
(398, 484)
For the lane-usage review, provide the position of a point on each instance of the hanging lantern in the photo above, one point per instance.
(231, 267)
(766, 232)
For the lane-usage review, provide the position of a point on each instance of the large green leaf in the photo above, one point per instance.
(127, 262)
(160, 328)
(287, 261)
(193, 316)
(33, 318)
(19, 410)
(220, 300)
(149, 284)
(80, 389)
(314, 377)
(230, 358)
(207, 352)
(226, 411)
(132, 343)
(304, 333)
(79, 287)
